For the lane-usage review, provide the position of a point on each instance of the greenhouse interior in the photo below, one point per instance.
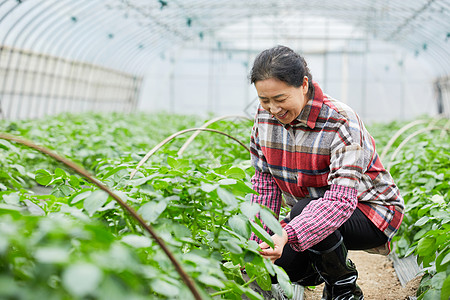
(158, 149)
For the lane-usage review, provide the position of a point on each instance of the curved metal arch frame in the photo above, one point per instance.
(212, 121)
(49, 22)
(39, 84)
(125, 44)
(9, 11)
(127, 48)
(397, 135)
(410, 137)
(168, 139)
(438, 57)
(91, 48)
(11, 50)
(118, 49)
(134, 61)
(74, 44)
(116, 46)
(66, 41)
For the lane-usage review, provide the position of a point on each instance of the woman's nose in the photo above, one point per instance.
(274, 109)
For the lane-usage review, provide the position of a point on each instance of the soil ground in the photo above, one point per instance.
(377, 279)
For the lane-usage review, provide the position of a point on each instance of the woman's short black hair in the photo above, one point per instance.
(284, 64)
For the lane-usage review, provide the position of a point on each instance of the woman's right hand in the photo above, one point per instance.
(274, 253)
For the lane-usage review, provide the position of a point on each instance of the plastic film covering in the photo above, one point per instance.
(57, 55)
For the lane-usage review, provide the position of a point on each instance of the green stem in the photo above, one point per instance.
(129, 223)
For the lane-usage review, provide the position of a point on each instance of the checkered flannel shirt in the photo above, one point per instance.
(326, 153)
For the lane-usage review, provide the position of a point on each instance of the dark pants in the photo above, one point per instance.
(358, 233)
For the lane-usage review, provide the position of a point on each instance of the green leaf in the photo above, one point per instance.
(446, 259)
(9, 287)
(78, 197)
(10, 207)
(4, 144)
(43, 177)
(438, 199)
(95, 201)
(263, 279)
(34, 209)
(61, 191)
(233, 271)
(269, 266)
(402, 242)
(431, 294)
(12, 198)
(207, 187)
(249, 209)
(240, 225)
(283, 280)
(180, 230)
(426, 246)
(410, 251)
(114, 171)
(171, 162)
(196, 258)
(52, 254)
(81, 279)
(137, 241)
(231, 246)
(162, 287)
(150, 211)
(424, 210)
(236, 173)
(438, 214)
(420, 233)
(4, 243)
(422, 221)
(74, 181)
(60, 173)
(251, 271)
(270, 221)
(258, 221)
(227, 197)
(211, 281)
(445, 290)
(243, 188)
(144, 180)
(262, 234)
(251, 294)
(227, 181)
(438, 279)
(20, 169)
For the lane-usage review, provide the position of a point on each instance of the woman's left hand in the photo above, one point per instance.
(274, 253)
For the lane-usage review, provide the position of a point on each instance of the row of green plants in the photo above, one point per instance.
(421, 169)
(75, 242)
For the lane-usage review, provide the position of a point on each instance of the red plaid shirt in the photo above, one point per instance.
(325, 154)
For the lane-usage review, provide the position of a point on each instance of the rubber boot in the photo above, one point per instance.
(338, 271)
(326, 294)
(311, 277)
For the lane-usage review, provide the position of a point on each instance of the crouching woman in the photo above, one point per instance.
(315, 152)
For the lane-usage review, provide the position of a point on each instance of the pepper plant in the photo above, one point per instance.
(422, 172)
(198, 205)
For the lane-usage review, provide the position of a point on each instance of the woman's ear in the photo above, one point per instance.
(305, 85)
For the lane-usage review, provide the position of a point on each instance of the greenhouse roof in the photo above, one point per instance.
(127, 34)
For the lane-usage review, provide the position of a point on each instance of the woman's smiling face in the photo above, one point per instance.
(283, 101)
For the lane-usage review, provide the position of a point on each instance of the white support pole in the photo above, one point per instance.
(344, 78)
